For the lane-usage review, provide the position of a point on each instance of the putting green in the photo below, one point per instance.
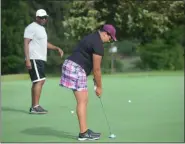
(155, 114)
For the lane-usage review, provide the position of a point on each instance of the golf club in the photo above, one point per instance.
(111, 135)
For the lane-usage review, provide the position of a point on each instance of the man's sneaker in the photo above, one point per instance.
(89, 135)
(38, 110)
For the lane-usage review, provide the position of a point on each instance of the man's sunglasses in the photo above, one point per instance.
(43, 17)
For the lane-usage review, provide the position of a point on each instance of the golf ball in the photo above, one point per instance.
(129, 101)
(72, 112)
(95, 87)
(112, 136)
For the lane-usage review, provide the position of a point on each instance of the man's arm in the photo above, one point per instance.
(26, 48)
(97, 71)
(26, 52)
(52, 47)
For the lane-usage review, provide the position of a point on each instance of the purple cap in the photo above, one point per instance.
(111, 30)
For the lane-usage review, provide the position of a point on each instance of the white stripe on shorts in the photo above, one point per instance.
(37, 73)
(38, 80)
(36, 70)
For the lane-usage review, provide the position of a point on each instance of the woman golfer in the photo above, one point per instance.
(86, 57)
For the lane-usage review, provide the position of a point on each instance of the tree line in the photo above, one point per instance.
(153, 29)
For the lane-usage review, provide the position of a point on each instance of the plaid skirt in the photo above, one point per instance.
(73, 76)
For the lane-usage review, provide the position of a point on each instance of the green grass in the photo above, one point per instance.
(156, 113)
(13, 77)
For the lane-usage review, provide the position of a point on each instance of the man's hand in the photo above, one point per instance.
(52, 47)
(28, 64)
(60, 51)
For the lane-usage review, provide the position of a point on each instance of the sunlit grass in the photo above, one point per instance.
(13, 77)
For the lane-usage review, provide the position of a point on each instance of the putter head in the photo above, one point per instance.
(112, 136)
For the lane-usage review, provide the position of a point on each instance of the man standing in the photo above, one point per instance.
(35, 49)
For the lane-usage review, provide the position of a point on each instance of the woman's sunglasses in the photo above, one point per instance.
(109, 35)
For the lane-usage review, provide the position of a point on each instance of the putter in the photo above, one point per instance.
(111, 135)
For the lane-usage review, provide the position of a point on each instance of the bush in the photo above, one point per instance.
(53, 64)
(106, 61)
(118, 65)
(127, 47)
(161, 56)
(106, 65)
(164, 53)
(12, 64)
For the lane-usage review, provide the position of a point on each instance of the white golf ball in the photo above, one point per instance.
(95, 87)
(72, 112)
(112, 136)
(129, 101)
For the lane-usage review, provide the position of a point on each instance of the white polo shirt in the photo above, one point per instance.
(38, 44)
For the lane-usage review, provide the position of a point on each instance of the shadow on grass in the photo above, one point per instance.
(8, 109)
(46, 131)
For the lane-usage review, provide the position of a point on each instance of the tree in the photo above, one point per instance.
(15, 16)
(164, 54)
(81, 19)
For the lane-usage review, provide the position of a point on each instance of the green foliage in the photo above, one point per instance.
(82, 20)
(12, 64)
(54, 63)
(148, 22)
(15, 16)
(106, 61)
(127, 47)
(106, 65)
(14, 20)
(176, 12)
(144, 20)
(163, 54)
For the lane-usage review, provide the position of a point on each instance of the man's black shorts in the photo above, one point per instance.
(37, 72)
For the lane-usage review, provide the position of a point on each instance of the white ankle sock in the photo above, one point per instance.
(35, 106)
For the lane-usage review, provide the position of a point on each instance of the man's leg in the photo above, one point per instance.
(36, 92)
(37, 76)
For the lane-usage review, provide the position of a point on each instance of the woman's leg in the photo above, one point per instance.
(81, 108)
(74, 77)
